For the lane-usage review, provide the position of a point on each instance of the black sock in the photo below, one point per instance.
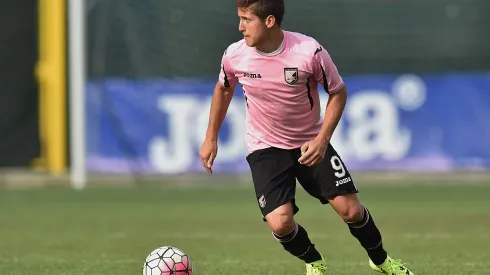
(299, 245)
(370, 238)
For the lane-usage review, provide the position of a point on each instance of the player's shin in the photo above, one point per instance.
(299, 245)
(369, 236)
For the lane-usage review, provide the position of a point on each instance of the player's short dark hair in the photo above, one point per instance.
(264, 8)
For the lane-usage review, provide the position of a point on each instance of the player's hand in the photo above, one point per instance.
(313, 152)
(207, 154)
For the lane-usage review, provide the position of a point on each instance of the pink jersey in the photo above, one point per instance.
(281, 89)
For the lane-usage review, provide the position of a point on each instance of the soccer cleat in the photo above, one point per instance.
(391, 267)
(317, 268)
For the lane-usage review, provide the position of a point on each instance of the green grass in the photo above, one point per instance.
(435, 229)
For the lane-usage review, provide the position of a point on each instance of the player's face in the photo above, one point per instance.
(252, 27)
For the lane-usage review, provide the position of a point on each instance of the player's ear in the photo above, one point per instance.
(270, 21)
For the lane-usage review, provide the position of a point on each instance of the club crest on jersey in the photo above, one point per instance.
(291, 75)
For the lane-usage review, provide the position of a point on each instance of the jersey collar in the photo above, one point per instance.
(276, 52)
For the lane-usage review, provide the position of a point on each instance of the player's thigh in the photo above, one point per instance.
(328, 179)
(273, 177)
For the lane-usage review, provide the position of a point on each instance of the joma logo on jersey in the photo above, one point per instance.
(342, 181)
(252, 75)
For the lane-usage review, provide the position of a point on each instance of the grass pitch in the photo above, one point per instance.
(435, 229)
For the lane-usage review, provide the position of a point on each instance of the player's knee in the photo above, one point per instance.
(348, 207)
(281, 220)
(352, 213)
(281, 224)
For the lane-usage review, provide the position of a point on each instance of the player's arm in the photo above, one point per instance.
(325, 72)
(219, 107)
(333, 113)
(222, 95)
(327, 75)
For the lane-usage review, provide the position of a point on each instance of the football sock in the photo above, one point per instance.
(369, 236)
(299, 245)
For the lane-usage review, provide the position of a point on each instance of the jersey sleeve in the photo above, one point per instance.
(227, 75)
(325, 71)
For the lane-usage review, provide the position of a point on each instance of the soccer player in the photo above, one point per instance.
(285, 135)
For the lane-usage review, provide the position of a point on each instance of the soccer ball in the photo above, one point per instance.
(167, 260)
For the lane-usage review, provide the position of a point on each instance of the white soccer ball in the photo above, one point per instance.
(167, 260)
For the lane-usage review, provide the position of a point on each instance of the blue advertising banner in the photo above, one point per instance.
(391, 123)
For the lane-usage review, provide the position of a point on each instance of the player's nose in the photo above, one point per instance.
(241, 28)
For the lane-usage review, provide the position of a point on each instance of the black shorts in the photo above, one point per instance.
(275, 171)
